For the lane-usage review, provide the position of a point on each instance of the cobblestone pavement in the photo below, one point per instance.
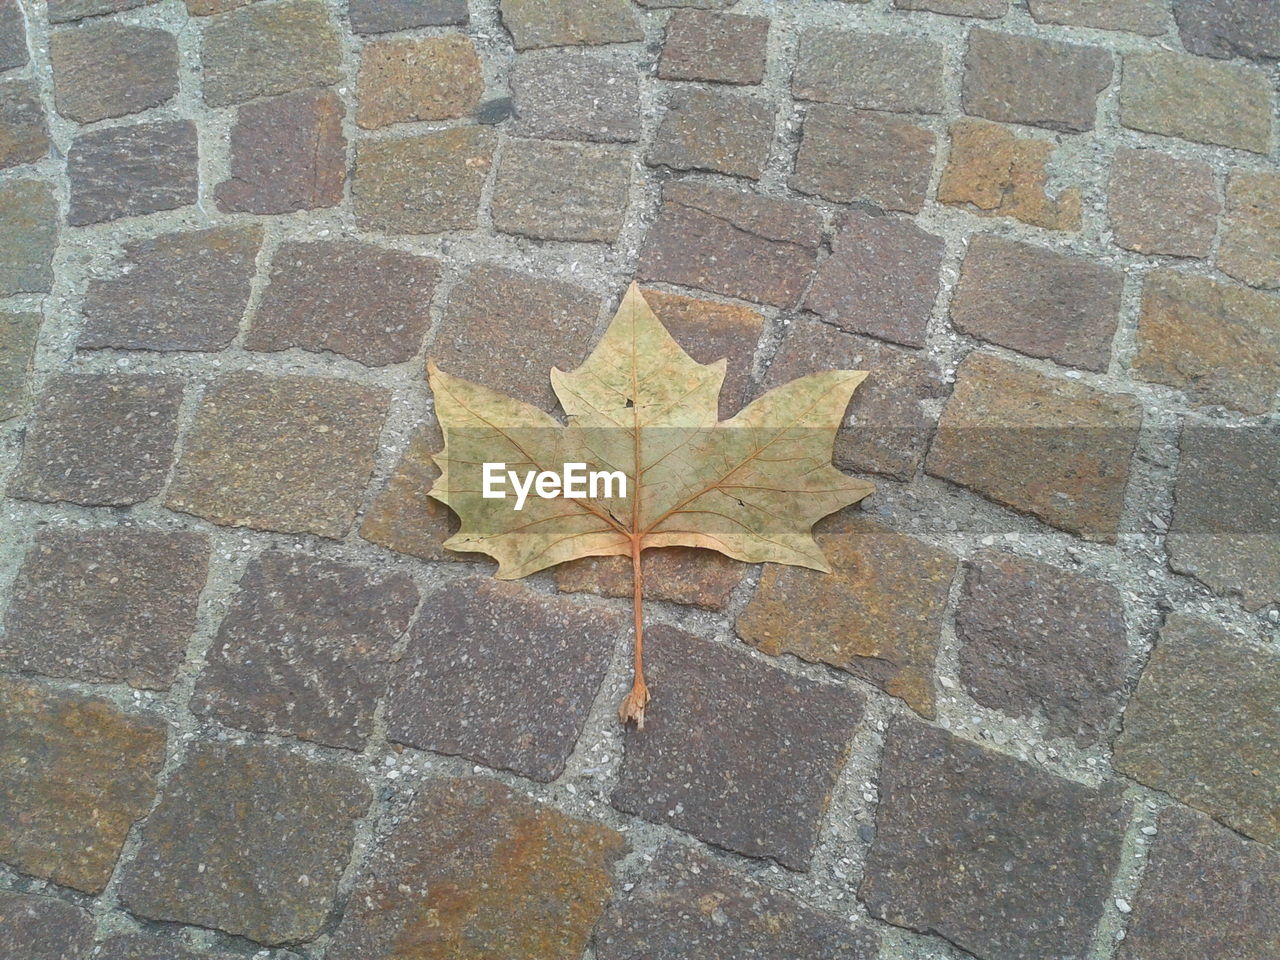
(249, 707)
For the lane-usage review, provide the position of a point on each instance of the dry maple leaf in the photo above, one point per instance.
(750, 487)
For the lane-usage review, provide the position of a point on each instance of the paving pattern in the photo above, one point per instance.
(249, 707)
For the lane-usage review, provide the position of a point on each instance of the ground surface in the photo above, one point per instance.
(248, 707)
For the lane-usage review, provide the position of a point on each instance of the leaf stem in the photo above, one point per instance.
(633, 704)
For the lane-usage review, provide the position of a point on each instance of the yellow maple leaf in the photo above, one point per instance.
(644, 411)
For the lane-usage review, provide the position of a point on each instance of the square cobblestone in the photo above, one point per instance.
(1202, 725)
(474, 871)
(716, 47)
(557, 190)
(18, 335)
(112, 69)
(24, 133)
(714, 129)
(28, 235)
(422, 184)
(386, 16)
(366, 302)
(1038, 640)
(471, 684)
(290, 454)
(132, 170)
(267, 49)
(75, 774)
(568, 95)
(877, 615)
(686, 905)
(535, 23)
(436, 78)
(1160, 204)
(736, 752)
(1220, 28)
(877, 72)
(732, 242)
(177, 291)
(247, 839)
(1250, 249)
(43, 928)
(1038, 301)
(305, 649)
(1006, 861)
(108, 604)
(99, 439)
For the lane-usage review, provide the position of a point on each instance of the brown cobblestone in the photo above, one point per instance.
(385, 16)
(436, 78)
(701, 578)
(366, 302)
(267, 49)
(291, 454)
(877, 72)
(108, 604)
(402, 517)
(1038, 301)
(1160, 204)
(177, 291)
(64, 11)
(28, 235)
(768, 746)
(877, 615)
(716, 129)
(1051, 447)
(208, 8)
(1217, 342)
(1197, 99)
(422, 184)
(732, 242)
(236, 828)
(305, 649)
(474, 871)
(43, 928)
(1202, 725)
(132, 170)
(849, 155)
(534, 23)
(1148, 17)
(75, 774)
(24, 134)
(19, 333)
(557, 190)
(716, 47)
(567, 95)
(996, 173)
(99, 439)
(1250, 249)
(111, 69)
(1221, 28)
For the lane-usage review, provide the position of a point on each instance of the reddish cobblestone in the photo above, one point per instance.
(1220, 28)
(402, 516)
(437, 78)
(24, 133)
(1160, 204)
(877, 72)
(715, 129)
(132, 170)
(111, 69)
(716, 47)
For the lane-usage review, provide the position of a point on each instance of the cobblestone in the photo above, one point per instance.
(132, 170)
(1250, 249)
(1162, 205)
(36, 926)
(901, 74)
(18, 335)
(112, 69)
(568, 95)
(720, 130)
(716, 47)
(24, 133)
(558, 190)
(404, 80)
(28, 235)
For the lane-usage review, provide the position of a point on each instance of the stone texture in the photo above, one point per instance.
(99, 439)
(402, 517)
(887, 427)
(555, 190)
(290, 454)
(1038, 640)
(567, 95)
(18, 335)
(65, 11)
(28, 235)
(1223, 28)
(422, 184)
(132, 170)
(287, 153)
(507, 329)
(209, 8)
(714, 129)
(111, 69)
(1045, 83)
(106, 604)
(471, 684)
(536, 23)
(435, 78)
(716, 47)
(146, 946)
(990, 9)
(849, 155)
(24, 134)
(1006, 861)
(1217, 342)
(993, 172)
(877, 615)
(1205, 893)
(366, 302)
(1053, 448)
(13, 36)
(247, 839)
(877, 72)
(881, 278)
(700, 4)
(475, 871)
(177, 291)
(75, 774)
(1197, 99)
(1147, 17)
(1226, 527)
(385, 16)
(686, 905)
(1160, 204)
(43, 928)
(1202, 725)
(1038, 301)
(305, 649)
(732, 242)
(734, 751)
(267, 49)
(1250, 248)
(701, 578)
